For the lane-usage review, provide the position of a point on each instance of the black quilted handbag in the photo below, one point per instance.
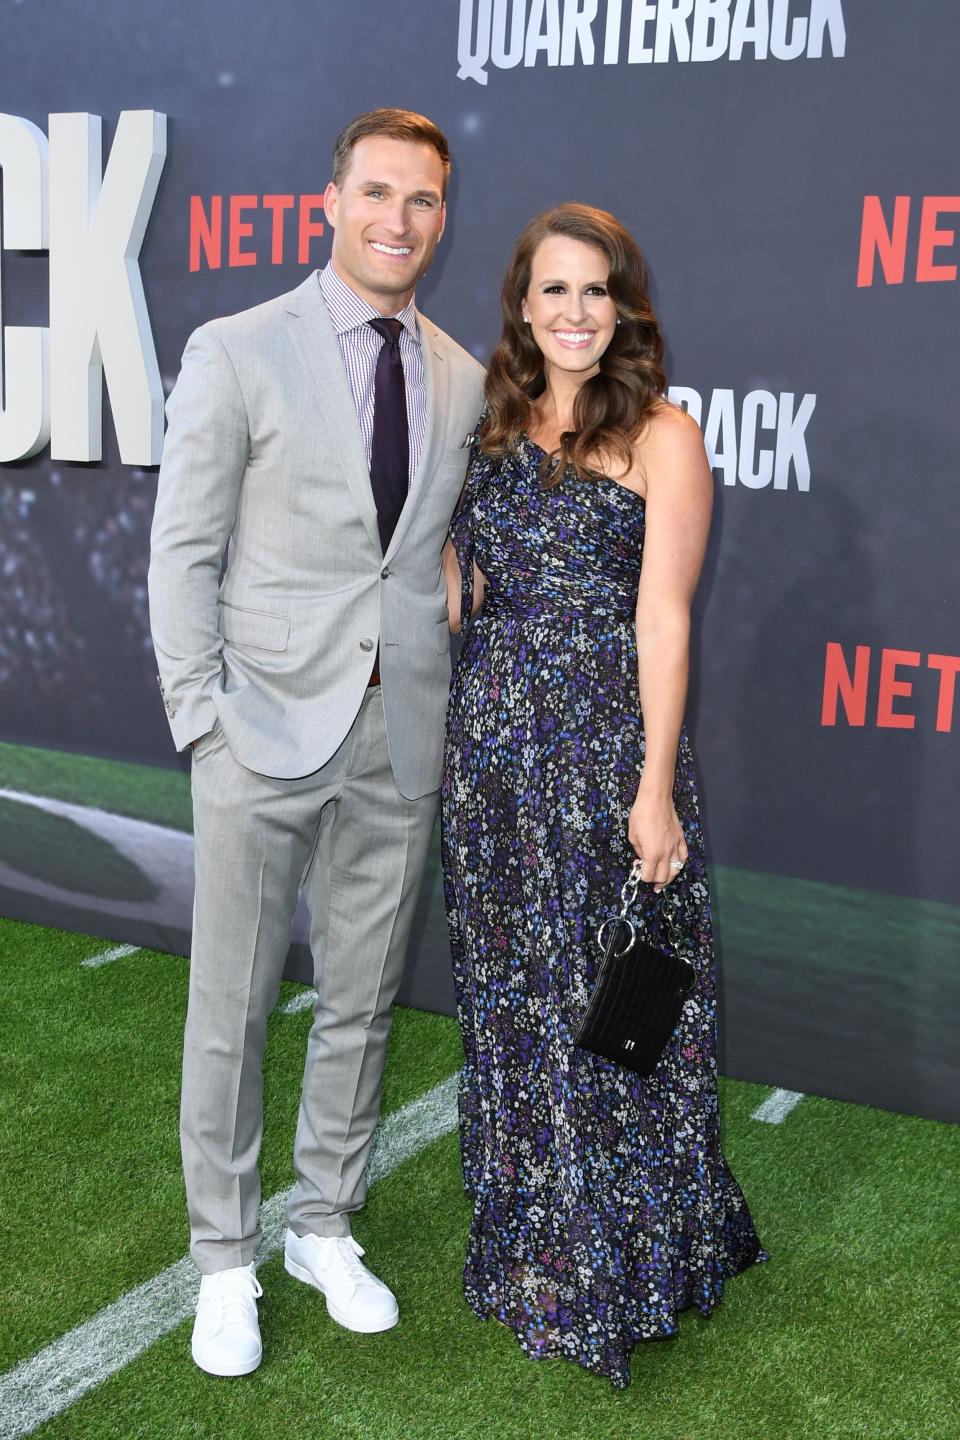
(640, 989)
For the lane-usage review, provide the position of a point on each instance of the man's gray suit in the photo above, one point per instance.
(305, 775)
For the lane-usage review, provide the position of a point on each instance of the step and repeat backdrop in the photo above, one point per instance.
(787, 166)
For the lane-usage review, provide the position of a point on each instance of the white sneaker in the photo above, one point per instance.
(226, 1333)
(356, 1299)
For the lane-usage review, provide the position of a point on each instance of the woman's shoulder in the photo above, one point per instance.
(670, 446)
(669, 437)
(670, 426)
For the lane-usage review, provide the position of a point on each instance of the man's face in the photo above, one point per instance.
(387, 216)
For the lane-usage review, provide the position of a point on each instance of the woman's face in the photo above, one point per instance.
(572, 318)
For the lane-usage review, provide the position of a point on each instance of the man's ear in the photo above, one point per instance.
(330, 198)
(443, 219)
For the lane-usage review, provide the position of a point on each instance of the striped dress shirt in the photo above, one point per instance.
(360, 347)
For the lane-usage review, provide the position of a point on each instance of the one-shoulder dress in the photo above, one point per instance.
(602, 1203)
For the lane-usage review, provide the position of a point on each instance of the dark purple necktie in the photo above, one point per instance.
(390, 453)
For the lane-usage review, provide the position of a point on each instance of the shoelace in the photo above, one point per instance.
(235, 1294)
(346, 1253)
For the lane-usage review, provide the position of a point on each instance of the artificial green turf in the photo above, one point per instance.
(90, 1181)
(849, 1331)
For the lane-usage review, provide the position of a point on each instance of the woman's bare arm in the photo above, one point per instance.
(679, 499)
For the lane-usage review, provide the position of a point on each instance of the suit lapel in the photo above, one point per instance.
(314, 339)
(436, 378)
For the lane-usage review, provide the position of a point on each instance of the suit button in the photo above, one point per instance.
(385, 573)
(366, 644)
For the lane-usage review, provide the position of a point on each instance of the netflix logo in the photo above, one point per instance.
(235, 230)
(909, 240)
(877, 687)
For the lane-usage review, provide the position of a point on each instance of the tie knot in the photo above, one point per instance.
(389, 329)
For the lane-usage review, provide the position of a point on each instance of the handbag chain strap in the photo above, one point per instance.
(668, 910)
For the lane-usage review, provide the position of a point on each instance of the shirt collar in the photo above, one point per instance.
(349, 311)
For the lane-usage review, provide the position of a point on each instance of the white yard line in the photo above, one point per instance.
(59, 1375)
(119, 952)
(303, 1001)
(777, 1106)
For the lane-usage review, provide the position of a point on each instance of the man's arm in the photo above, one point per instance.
(204, 461)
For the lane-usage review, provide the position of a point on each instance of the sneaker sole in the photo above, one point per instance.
(299, 1272)
(227, 1372)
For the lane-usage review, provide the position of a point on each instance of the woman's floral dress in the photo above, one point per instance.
(602, 1204)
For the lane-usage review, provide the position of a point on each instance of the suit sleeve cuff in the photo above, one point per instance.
(191, 719)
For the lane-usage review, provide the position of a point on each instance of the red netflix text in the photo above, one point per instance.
(908, 229)
(887, 702)
(232, 218)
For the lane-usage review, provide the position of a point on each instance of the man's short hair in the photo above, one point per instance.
(395, 125)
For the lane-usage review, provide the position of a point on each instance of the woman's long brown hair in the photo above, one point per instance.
(612, 407)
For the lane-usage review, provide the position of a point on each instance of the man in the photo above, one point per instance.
(319, 439)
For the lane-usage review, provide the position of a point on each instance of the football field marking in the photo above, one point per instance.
(303, 1001)
(57, 1376)
(777, 1106)
(118, 952)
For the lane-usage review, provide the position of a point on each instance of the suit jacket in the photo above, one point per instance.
(264, 458)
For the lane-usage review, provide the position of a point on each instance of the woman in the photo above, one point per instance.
(602, 1202)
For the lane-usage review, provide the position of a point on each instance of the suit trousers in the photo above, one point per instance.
(357, 848)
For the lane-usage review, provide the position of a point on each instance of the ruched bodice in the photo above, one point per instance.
(571, 551)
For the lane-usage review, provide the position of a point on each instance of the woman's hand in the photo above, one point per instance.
(656, 835)
(454, 583)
